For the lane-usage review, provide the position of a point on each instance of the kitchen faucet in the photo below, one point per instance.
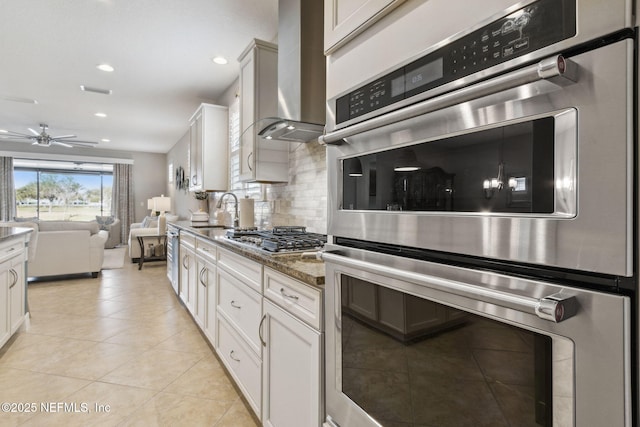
(236, 218)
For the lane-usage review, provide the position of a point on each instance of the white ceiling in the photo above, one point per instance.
(161, 51)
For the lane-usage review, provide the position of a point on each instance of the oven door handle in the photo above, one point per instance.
(555, 308)
(556, 68)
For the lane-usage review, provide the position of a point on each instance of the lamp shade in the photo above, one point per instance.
(150, 204)
(162, 203)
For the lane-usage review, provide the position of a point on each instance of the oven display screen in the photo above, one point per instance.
(425, 74)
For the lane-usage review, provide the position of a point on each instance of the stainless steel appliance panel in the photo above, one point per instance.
(598, 335)
(394, 40)
(591, 233)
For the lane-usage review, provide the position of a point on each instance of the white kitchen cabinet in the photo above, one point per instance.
(17, 292)
(206, 288)
(242, 307)
(243, 365)
(261, 160)
(239, 312)
(188, 270)
(12, 287)
(292, 373)
(345, 19)
(208, 149)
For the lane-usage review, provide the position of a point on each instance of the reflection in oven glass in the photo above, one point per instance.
(418, 363)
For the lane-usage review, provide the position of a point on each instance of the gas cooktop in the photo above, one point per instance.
(282, 239)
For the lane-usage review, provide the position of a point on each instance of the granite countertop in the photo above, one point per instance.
(7, 233)
(307, 270)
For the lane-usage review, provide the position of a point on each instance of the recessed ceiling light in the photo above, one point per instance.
(105, 140)
(4, 131)
(100, 115)
(220, 60)
(105, 67)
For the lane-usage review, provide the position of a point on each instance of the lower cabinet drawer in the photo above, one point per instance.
(243, 365)
(242, 307)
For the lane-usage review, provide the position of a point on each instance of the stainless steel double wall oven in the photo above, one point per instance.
(482, 260)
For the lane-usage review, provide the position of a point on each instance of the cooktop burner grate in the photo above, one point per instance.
(279, 240)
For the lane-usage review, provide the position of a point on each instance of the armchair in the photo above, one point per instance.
(150, 226)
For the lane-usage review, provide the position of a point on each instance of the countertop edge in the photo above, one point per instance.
(289, 264)
(13, 232)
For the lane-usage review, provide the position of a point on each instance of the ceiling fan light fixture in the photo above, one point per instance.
(105, 67)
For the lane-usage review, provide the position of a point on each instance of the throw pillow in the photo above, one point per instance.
(146, 222)
(105, 221)
(25, 219)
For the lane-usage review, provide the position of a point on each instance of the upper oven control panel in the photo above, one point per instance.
(532, 27)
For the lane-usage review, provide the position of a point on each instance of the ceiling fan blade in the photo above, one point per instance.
(16, 134)
(80, 143)
(18, 99)
(63, 136)
(64, 144)
(34, 132)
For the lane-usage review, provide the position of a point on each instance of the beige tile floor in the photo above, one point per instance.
(122, 341)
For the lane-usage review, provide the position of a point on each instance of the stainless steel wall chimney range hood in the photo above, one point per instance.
(301, 73)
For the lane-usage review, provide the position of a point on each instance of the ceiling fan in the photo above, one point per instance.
(45, 140)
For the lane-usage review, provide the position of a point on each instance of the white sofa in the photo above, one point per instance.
(65, 247)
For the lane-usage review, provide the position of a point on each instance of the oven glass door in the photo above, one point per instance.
(411, 361)
(504, 169)
(417, 343)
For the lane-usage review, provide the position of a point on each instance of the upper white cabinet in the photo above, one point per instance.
(261, 160)
(208, 149)
(345, 19)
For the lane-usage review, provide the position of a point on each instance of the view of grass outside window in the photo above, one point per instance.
(62, 190)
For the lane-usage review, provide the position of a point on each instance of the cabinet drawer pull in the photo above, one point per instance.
(262, 341)
(249, 161)
(234, 305)
(284, 294)
(10, 250)
(205, 249)
(231, 353)
(184, 260)
(204, 269)
(15, 278)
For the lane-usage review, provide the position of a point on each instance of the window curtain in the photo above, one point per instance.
(7, 190)
(122, 203)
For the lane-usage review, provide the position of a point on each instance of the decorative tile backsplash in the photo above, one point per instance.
(302, 201)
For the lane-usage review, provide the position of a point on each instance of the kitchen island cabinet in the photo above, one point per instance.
(13, 280)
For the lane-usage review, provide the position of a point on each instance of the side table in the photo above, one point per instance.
(160, 239)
